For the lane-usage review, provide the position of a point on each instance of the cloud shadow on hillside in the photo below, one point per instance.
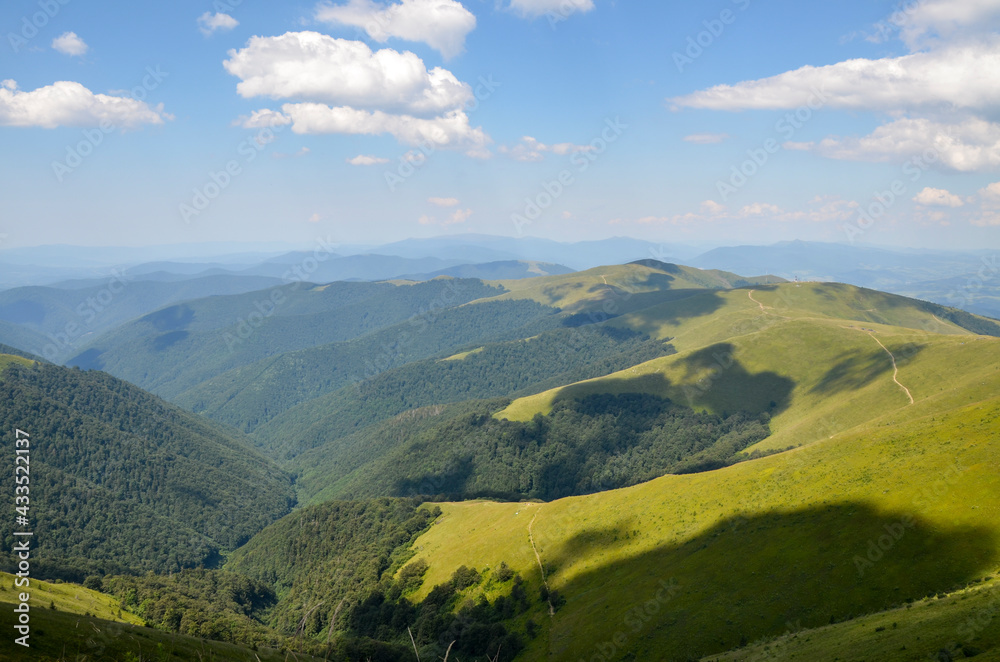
(857, 368)
(174, 318)
(715, 379)
(750, 577)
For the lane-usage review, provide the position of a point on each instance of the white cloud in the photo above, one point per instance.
(989, 208)
(314, 67)
(443, 202)
(706, 138)
(760, 209)
(557, 8)
(530, 150)
(341, 86)
(209, 22)
(459, 216)
(821, 209)
(937, 197)
(69, 43)
(967, 146)
(365, 160)
(452, 131)
(263, 118)
(712, 207)
(962, 76)
(315, 218)
(67, 103)
(441, 24)
(927, 22)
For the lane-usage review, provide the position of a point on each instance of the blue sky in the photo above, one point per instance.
(730, 121)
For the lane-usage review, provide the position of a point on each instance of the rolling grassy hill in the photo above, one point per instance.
(655, 565)
(627, 287)
(747, 549)
(963, 624)
(818, 358)
(882, 486)
(250, 395)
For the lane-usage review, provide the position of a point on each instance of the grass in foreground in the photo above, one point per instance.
(963, 624)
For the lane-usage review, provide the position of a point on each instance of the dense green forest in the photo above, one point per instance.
(98, 305)
(334, 569)
(326, 580)
(512, 368)
(178, 347)
(600, 442)
(252, 395)
(123, 481)
(213, 604)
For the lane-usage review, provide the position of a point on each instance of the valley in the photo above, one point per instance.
(637, 461)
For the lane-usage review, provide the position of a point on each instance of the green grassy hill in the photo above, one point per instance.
(875, 483)
(786, 352)
(747, 549)
(962, 624)
(252, 395)
(630, 286)
(787, 538)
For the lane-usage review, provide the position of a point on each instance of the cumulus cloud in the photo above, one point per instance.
(760, 209)
(365, 160)
(341, 86)
(941, 100)
(67, 103)
(209, 22)
(706, 138)
(712, 207)
(969, 145)
(989, 206)
(557, 8)
(937, 197)
(260, 119)
(69, 43)
(443, 202)
(530, 150)
(963, 76)
(928, 22)
(314, 67)
(441, 24)
(451, 131)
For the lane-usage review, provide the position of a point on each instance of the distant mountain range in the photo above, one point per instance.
(63, 300)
